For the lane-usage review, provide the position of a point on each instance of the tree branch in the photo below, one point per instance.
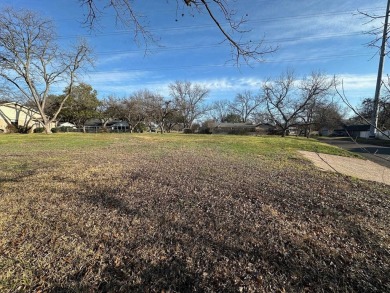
(241, 50)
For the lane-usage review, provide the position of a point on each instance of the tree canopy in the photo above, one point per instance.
(81, 105)
(291, 102)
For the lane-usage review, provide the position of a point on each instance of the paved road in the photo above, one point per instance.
(377, 154)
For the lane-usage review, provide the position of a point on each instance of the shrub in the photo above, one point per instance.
(39, 130)
(204, 130)
(195, 127)
(140, 128)
(239, 131)
(55, 130)
(24, 129)
(65, 129)
(18, 129)
(187, 130)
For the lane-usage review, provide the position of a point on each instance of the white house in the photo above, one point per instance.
(16, 115)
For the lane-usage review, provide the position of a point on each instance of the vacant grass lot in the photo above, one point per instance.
(185, 213)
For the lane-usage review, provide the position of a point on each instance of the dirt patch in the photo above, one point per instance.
(362, 169)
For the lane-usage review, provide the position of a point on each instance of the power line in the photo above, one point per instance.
(196, 47)
(193, 27)
(169, 68)
(280, 40)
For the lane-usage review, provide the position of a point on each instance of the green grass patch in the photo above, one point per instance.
(246, 145)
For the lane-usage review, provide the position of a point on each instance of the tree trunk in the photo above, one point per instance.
(308, 131)
(47, 128)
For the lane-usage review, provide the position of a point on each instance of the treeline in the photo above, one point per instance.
(283, 102)
(308, 103)
(32, 63)
(185, 104)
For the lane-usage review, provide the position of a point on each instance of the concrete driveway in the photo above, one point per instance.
(374, 153)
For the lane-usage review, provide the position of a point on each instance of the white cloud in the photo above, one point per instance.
(317, 20)
(233, 85)
(117, 77)
(115, 58)
(357, 87)
(358, 82)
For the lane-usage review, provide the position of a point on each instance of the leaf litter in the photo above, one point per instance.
(186, 220)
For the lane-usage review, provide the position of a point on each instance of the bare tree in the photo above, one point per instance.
(290, 102)
(328, 116)
(219, 110)
(262, 116)
(31, 62)
(245, 105)
(314, 89)
(189, 100)
(109, 109)
(158, 110)
(376, 31)
(221, 14)
(279, 101)
(133, 108)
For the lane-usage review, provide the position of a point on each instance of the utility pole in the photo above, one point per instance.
(375, 112)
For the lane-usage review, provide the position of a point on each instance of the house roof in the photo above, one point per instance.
(93, 122)
(15, 104)
(362, 127)
(118, 123)
(238, 125)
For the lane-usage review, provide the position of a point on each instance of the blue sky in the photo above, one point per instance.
(312, 35)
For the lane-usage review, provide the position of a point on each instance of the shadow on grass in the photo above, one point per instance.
(104, 199)
(276, 260)
(171, 276)
(168, 276)
(19, 177)
(221, 240)
(23, 169)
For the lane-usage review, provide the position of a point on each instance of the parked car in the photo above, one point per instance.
(67, 125)
(338, 133)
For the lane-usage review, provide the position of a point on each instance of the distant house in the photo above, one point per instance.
(96, 125)
(240, 128)
(92, 125)
(120, 126)
(264, 128)
(293, 130)
(15, 115)
(354, 131)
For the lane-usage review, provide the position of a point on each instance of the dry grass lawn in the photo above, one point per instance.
(178, 213)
